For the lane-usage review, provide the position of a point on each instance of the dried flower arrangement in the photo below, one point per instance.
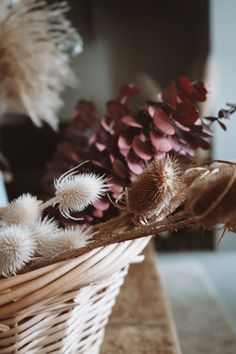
(126, 138)
(40, 35)
(26, 234)
(164, 197)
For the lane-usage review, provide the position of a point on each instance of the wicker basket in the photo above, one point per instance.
(63, 308)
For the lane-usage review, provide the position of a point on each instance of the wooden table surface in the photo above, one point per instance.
(141, 322)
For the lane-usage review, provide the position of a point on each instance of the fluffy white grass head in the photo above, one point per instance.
(24, 210)
(74, 192)
(17, 248)
(69, 239)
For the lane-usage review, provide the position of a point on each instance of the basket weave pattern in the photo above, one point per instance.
(63, 308)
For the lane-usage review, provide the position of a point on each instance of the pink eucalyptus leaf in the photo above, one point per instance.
(123, 145)
(142, 149)
(119, 168)
(100, 146)
(108, 128)
(181, 126)
(161, 144)
(98, 213)
(101, 204)
(162, 122)
(135, 167)
(116, 189)
(131, 122)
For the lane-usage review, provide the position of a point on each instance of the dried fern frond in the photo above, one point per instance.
(34, 70)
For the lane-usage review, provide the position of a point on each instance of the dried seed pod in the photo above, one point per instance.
(25, 210)
(74, 192)
(64, 240)
(17, 248)
(212, 199)
(155, 188)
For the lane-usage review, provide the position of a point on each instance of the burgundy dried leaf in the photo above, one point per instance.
(161, 120)
(131, 122)
(160, 143)
(200, 91)
(142, 149)
(102, 204)
(135, 164)
(192, 91)
(127, 93)
(116, 110)
(108, 128)
(116, 189)
(124, 145)
(186, 114)
(119, 168)
(170, 95)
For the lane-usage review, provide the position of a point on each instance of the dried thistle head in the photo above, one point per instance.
(17, 248)
(68, 239)
(34, 70)
(25, 210)
(212, 198)
(155, 188)
(44, 228)
(75, 192)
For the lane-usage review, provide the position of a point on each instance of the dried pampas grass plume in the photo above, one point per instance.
(25, 210)
(68, 239)
(34, 70)
(155, 188)
(17, 248)
(74, 192)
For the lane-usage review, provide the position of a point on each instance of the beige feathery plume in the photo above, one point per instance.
(34, 69)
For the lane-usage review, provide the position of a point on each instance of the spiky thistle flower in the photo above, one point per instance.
(34, 69)
(25, 210)
(66, 240)
(44, 229)
(74, 192)
(17, 248)
(155, 188)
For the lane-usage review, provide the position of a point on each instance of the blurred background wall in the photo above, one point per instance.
(163, 39)
(222, 72)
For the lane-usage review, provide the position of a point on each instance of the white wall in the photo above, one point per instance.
(223, 73)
